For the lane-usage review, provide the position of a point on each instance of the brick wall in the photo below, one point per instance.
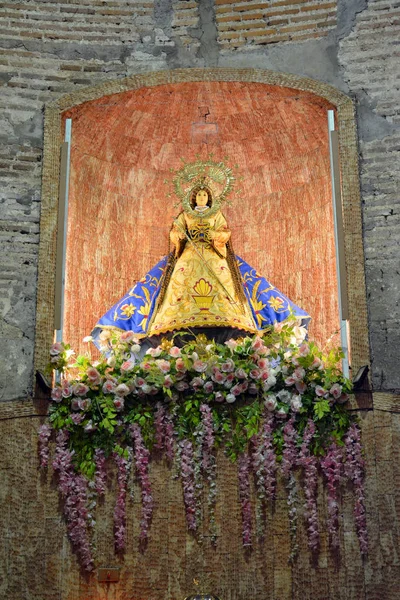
(253, 23)
(370, 56)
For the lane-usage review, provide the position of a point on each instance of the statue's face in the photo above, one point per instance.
(202, 198)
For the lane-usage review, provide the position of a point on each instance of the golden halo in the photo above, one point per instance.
(215, 176)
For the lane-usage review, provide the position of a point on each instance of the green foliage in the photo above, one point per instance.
(280, 373)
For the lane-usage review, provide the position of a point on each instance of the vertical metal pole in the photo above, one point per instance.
(62, 231)
(339, 239)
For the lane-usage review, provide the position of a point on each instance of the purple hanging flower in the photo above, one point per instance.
(142, 470)
(310, 466)
(120, 505)
(73, 489)
(188, 482)
(245, 498)
(355, 472)
(160, 425)
(44, 449)
(100, 476)
(332, 467)
(264, 467)
(209, 465)
(288, 465)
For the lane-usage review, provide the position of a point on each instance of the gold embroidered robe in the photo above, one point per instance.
(201, 290)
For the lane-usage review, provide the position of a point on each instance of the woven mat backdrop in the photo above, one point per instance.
(123, 147)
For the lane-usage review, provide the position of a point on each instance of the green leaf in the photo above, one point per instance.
(321, 408)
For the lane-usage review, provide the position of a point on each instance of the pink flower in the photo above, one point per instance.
(175, 352)
(299, 373)
(255, 373)
(263, 363)
(128, 365)
(316, 363)
(252, 388)
(270, 403)
(80, 389)
(257, 344)
(66, 389)
(56, 394)
(290, 380)
(154, 352)
(219, 397)
(180, 365)
(77, 418)
(146, 365)
(304, 350)
(108, 387)
(139, 381)
(168, 381)
(199, 366)
(128, 336)
(56, 349)
(75, 404)
(217, 376)
(236, 390)
(197, 383)
(84, 403)
(208, 387)
(119, 403)
(231, 344)
(228, 366)
(122, 390)
(319, 391)
(93, 375)
(163, 365)
(336, 391)
(300, 387)
(241, 373)
(181, 386)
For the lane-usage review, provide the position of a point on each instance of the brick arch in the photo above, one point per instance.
(283, 85)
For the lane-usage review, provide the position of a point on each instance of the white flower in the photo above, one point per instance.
(87, 339)
(135, 348)
(284, 396)
(111, 361)
(122, 390)
(230, 398)
(296, 403)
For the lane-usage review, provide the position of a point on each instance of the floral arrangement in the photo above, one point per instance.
(275, 404)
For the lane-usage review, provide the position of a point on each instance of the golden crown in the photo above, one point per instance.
(216, 177)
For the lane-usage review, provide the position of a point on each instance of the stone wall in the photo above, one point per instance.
(48, 49)
(36, 562)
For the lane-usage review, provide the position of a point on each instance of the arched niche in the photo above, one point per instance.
(128, 134)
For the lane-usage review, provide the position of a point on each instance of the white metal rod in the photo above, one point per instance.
(339, 240)
(62, 230)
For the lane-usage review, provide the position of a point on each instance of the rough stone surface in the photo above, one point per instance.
(37, 563)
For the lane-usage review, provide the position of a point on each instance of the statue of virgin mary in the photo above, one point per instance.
(201, 285)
